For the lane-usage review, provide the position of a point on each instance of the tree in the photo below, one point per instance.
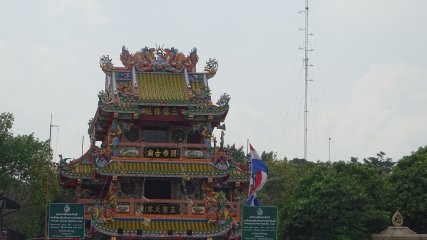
(409, 180)
(27, 175)
(335, 201)
(283, 178)
(381, 162)
(237, 154)
(268, 156)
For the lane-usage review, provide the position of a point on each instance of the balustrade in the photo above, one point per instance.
(139, 206)
(161, 150)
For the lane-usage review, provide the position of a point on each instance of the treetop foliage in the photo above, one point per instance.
(27, 175)
(346, 199)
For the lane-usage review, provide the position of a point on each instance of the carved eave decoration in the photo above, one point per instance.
(211, 68)
(157, 228)
(106, 64)
(159, 60)
(131, 104)
(81, 168)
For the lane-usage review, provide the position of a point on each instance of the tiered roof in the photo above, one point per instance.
(157, 85)
(160, 84)
(158, 227)
(86, 168)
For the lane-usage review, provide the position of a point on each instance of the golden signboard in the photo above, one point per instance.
(155, 152)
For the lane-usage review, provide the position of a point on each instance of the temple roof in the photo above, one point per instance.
(163, 168)
(157, 84)
(156, 76)
(83, 171)
(81, 167)
(159, 227)
(160, 88)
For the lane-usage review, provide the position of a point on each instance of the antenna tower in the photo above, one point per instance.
(50, 133)
(306, 80)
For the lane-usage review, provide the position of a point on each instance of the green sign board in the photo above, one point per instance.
(66, 220)
(259, 223)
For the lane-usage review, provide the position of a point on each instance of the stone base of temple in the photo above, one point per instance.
(404, 233)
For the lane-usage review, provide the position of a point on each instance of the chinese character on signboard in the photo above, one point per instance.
(162, 209)
(154, 152)
(161, 111)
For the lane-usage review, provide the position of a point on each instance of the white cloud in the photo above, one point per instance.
(387, 113)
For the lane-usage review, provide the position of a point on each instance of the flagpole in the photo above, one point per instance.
(251, 177)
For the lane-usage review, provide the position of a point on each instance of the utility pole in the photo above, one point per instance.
(1, 212)
(46, 222)
(50, 132)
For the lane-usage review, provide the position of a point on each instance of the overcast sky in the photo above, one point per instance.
(369, 92)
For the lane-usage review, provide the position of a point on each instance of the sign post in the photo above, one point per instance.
(66, 220)
(259, 223)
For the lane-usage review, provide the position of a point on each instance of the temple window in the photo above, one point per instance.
(155, 134)
(157, 189)
(194, 137)
(132, 134)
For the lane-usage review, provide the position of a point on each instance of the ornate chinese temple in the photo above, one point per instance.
(154, 169)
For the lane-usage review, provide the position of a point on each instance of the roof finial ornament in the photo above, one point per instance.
(223, 100)
(160, 59)
(397, 219)
(127, 58)
(211, 67)
(191, 60)
(106, 63)
(160, 54)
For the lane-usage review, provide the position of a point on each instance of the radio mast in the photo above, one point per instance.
(306, 80)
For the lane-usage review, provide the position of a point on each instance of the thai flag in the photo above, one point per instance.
(258, 178)
(253, 200)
